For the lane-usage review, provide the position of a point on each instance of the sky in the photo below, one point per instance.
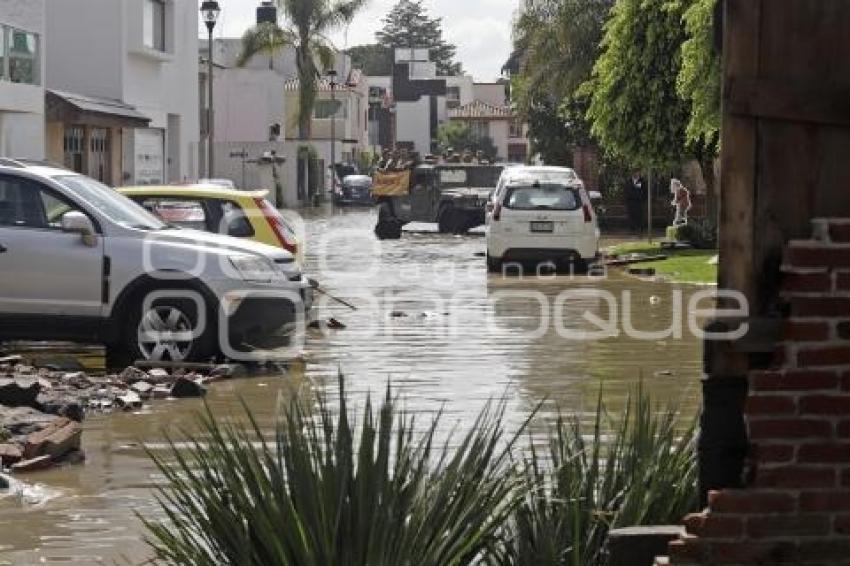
(481, 29)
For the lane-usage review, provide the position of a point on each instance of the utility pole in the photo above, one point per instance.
(210, 11)
(333, 74)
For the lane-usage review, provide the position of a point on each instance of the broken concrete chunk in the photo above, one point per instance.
(33, 465)
(58, 439)
(143, 388)
(129, 401)
(10, 454)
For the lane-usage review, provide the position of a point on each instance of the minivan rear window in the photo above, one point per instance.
(542, 197)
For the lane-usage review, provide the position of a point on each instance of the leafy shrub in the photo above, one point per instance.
(321, 493)
(327, 490)
(700, 232)
(639, 469)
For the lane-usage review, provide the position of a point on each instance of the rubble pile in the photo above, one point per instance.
(42, 408)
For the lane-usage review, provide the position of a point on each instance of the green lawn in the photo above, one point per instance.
(681, 266)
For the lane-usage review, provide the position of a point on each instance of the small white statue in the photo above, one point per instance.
(682, 202)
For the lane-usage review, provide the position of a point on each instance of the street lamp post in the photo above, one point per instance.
(210, 11)
(333, 74)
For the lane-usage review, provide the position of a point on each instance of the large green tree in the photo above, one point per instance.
(304, 26)
(408, 25)
(557, 44)
(635, 110)
(459, 137)
(373, 59)
(700, 77)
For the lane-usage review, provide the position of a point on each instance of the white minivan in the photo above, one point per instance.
(81, 262)
(541, 214)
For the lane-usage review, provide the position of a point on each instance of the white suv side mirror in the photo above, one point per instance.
(78, 223)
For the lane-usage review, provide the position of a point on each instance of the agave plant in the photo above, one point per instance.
(639, 469)
(327, 490)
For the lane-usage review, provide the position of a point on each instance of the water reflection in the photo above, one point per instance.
(429, 319)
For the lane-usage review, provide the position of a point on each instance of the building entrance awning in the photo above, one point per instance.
(71, 108)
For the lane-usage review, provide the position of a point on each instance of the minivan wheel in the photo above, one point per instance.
(168, 331)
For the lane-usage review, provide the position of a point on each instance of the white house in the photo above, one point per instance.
(123, 101)
(22, 37)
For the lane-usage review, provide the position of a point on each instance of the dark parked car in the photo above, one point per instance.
(356, 190)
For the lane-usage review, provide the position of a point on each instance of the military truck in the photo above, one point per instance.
(454, 195)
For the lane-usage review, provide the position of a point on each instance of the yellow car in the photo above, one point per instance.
(220, 210)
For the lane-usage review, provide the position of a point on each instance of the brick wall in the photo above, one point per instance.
(796, 508)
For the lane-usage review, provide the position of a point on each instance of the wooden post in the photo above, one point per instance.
(649, 205)
(723, 442)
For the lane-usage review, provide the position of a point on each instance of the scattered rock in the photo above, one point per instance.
(159, 374)
(19, 392)
(56, 440)
(132, 375)
(10, 454)
(229, 371)
(185, 388)
(22, 421)
(160, 392)
(143, 388)
(33, 465)
(334, 324)
(129, 401)
(11, 360)
(76, 379)
(398, 314)
(61, 404)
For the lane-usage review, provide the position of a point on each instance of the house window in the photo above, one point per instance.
(479, 129)
(21, 57)
(516, 129)
(324, 110)
(154, 24)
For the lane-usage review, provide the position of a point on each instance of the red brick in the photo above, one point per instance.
(826, 356)
(749, 552)
(841, 524)
(843, 429)
(831, 500)
(796, 476)
(818, 255)
(835, 404)
(833, 550)
(823, 453)
(798, 331)
(788, 526)
(750, 501)
(794, 380)
(773, 453)
(680, 550)
(842, 281)
(789, 428)
(845, 478)
(839, 232)
(829, 307)
(713, 526)
(845, 382)
(807, 282)
(770, 405)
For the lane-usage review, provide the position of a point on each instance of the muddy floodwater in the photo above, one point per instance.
(431, 320)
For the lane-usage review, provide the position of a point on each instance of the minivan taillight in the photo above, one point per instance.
(588, 213)
(497, 212)
(275, 221)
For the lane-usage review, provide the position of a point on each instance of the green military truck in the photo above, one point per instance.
(453, 195)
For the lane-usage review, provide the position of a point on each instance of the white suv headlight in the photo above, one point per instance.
(254, 269)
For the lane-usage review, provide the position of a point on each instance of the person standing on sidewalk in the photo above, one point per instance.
(636, 195)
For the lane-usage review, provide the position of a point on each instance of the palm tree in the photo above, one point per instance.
(307, 24)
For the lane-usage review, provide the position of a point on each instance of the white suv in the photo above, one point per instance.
(82, 263)
(541, 214)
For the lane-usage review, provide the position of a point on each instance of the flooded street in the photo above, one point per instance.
(429, 319)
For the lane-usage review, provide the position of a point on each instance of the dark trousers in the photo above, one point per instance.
(635, 210)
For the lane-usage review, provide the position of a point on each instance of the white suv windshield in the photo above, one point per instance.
(111, 204)
(541, 197)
